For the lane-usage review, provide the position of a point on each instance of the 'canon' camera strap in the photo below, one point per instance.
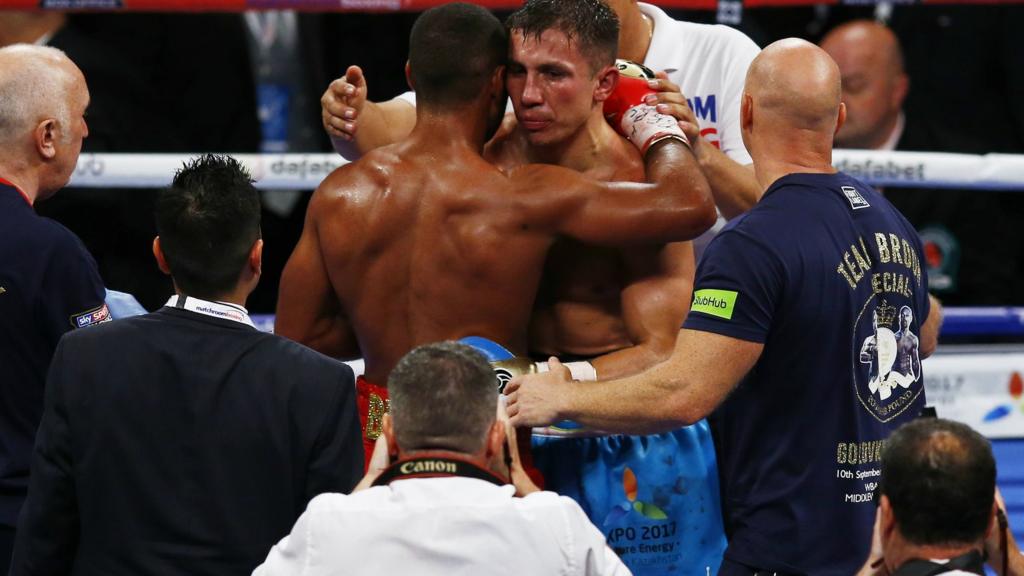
(427, 465)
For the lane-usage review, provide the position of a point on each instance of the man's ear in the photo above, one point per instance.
(408, 77)
(256, 257)
(498, 80)
(496, 439)
(841, 119)
(746, 112)
(161, 260)
(899, 92)
(46, 135)
(888, 518)
(607, 80)
(993, 522)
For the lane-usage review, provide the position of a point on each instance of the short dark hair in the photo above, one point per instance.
(443, 397)
(940, 477)
(454, 50)
(208, 220)
(591, 24)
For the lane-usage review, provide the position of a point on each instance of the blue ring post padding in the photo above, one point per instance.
(491, 350)
(983, 321)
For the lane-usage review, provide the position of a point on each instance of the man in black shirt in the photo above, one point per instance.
(48, 281)
(204, 445)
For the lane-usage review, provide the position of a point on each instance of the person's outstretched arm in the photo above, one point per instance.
(357, 125)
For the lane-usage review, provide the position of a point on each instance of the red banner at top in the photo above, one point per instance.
(377, 5)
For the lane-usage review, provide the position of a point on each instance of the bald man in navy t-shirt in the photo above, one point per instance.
(789, 298)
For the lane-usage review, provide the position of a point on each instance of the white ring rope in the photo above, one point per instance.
(306, 171)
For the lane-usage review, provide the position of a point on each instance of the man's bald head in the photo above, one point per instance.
(796, 83)
(874, 83)
(43, 98)
(790, 110)
(36, 82)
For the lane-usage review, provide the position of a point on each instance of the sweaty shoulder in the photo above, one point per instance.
(538, 179)
(364, 177)
(621, 162)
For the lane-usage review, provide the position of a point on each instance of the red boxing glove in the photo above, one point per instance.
(626, 111)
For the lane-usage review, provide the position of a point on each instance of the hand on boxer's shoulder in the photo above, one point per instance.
(628, 111)
(341, 104)
(536, 399)
(668, 99)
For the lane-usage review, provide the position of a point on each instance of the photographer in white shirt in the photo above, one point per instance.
(437, 498)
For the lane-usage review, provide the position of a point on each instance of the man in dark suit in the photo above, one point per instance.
(973, 255)
(185, 441)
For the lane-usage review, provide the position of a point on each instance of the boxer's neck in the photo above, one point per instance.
(466, 125)
(582, 150)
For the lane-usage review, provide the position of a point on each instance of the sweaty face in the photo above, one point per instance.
(551, 85)
(869, 91)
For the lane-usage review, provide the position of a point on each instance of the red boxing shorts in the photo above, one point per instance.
(373, 403)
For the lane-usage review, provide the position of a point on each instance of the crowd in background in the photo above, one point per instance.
(221, 82)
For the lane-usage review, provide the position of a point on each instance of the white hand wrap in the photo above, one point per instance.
(643, 125)
(583, 371)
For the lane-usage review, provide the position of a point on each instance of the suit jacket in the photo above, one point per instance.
(178, 443)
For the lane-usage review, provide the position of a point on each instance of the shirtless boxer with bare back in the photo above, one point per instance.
(425, 241)
(622, 304)
(625, 302)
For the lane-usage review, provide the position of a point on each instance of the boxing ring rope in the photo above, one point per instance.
(305, 171)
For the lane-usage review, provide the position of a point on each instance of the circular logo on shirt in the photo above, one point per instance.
(886, 358)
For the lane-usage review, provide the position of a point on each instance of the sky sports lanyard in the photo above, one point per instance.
(221, 310)
(435, 465)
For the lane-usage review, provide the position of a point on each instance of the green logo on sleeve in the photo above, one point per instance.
(714, 302)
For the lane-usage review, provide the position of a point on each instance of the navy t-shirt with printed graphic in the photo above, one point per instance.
(828, 276)
(49, 284)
